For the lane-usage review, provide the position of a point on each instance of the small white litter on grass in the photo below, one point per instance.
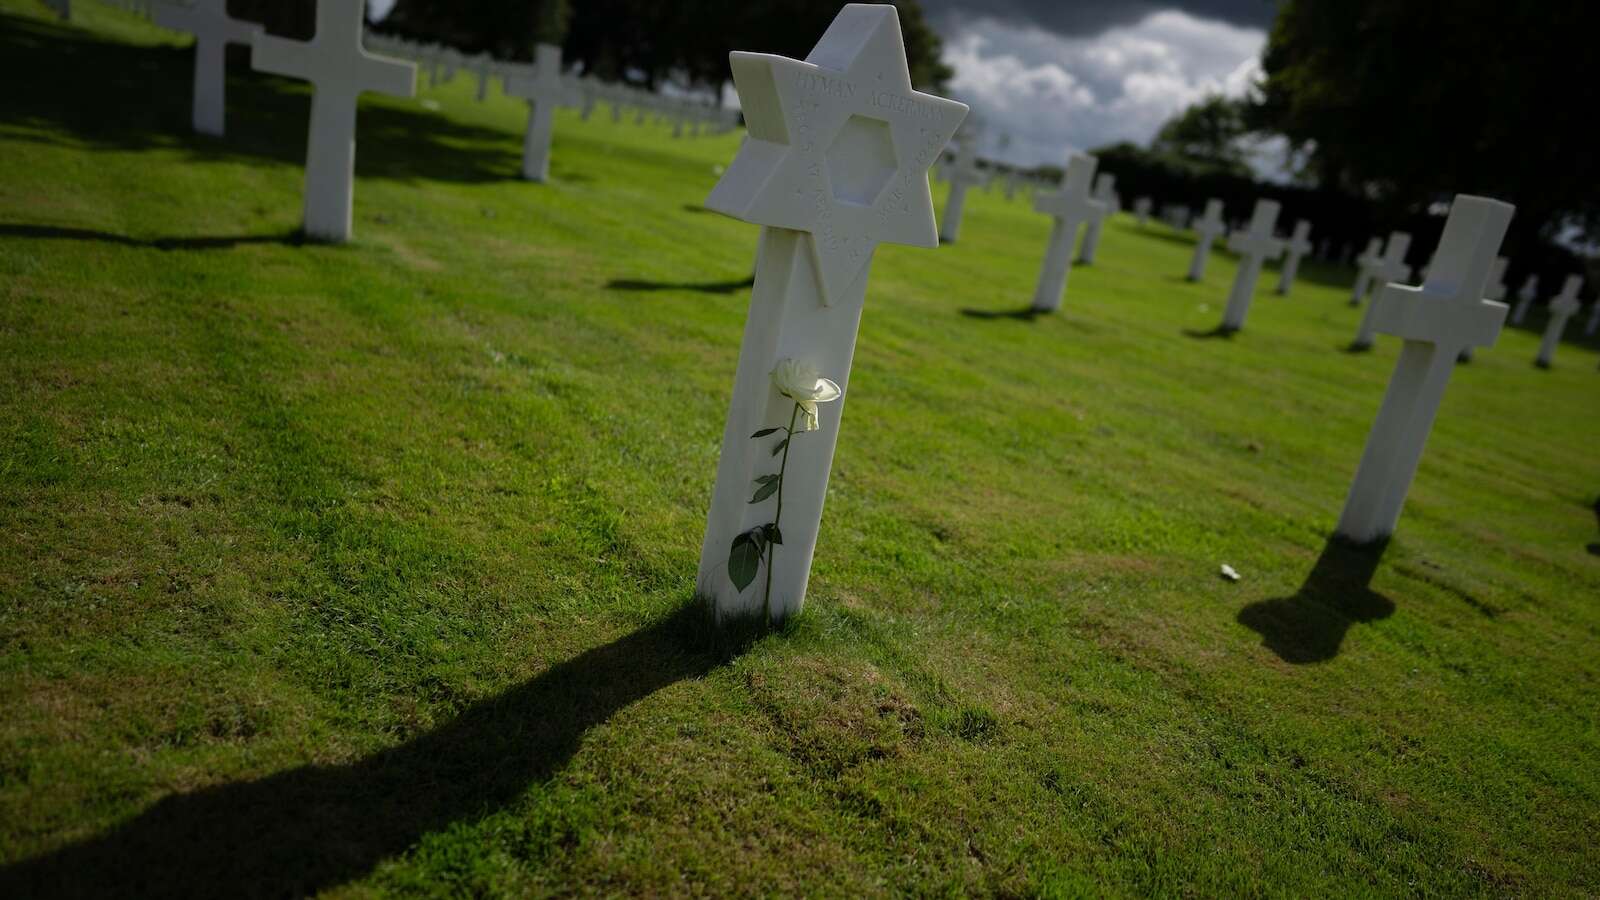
(1229, 572)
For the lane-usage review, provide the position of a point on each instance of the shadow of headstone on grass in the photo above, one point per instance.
(1310, 626)
(307, 829)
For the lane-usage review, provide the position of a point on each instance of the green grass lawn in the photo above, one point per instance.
(364, 570)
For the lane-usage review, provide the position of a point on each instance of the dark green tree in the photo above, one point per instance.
(1406, 103)
(507, 29)
(1207, 135)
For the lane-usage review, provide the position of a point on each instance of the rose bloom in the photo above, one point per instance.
(802, 383)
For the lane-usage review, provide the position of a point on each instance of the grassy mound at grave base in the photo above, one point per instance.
(362, 569)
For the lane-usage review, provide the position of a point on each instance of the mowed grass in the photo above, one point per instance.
(365, 570)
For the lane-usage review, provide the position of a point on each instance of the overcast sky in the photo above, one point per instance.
(1062, 75)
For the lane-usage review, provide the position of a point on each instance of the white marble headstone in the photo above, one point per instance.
(340, 71)
(1141, 210)
(1494, 290)
(1368, 265)
(1255, 246)
(1298, 245)
(1069, 208)
(1436, 320)
(1563, 307)
(1391, 268)
(963, 174)
(1207, 229)
(1105, 191)
(213, 31)
(545, 89)
(1525, 298)
(836, 163)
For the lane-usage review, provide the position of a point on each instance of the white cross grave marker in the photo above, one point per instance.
(1104, 192)
(1141, 210)
(1208, 229)
(1255, 247)
(1563, 307)
(1392, 267)
(483, 67)
(962, 173)
(213, 31)
(1525, 298)
(544, 89)
(1436, 320)
(1368, 265)
(1070, 207)
(836, 162)
(339, 71)
(1495, 290)
(1298, 246)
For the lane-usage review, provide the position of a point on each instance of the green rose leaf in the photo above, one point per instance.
(781, 444)
(774, 536)
(744, 560)
(767, 489)
(765, 431)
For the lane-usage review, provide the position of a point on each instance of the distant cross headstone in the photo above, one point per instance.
(1298, 245)
(1255, 247)
(483, 67)
(1105, 192)
(340, 71)
(1069, 207)
(1207, 228)
(432, 55)
(1392, 268)
(1141, 210)
(213, 31)
(1368, 266)
(1563, 307)
(963, 173)
(1525, 298)
(836, 162)
(1494, 289)
(544, 88)
(1436, 320)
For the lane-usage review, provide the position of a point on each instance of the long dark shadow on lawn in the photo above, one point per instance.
(1595, 548)
(1025, 314)
(221, 242)
(704, 287)
(1310, 626)
(314, 827)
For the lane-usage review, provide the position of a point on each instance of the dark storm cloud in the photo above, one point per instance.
(1085, 18)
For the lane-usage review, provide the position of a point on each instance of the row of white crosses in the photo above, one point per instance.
(829, 172)
(687, 114)
(339, 70)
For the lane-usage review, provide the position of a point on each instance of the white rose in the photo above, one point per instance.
(802, 383)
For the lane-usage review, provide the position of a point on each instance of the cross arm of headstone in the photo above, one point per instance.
(1449, 308)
